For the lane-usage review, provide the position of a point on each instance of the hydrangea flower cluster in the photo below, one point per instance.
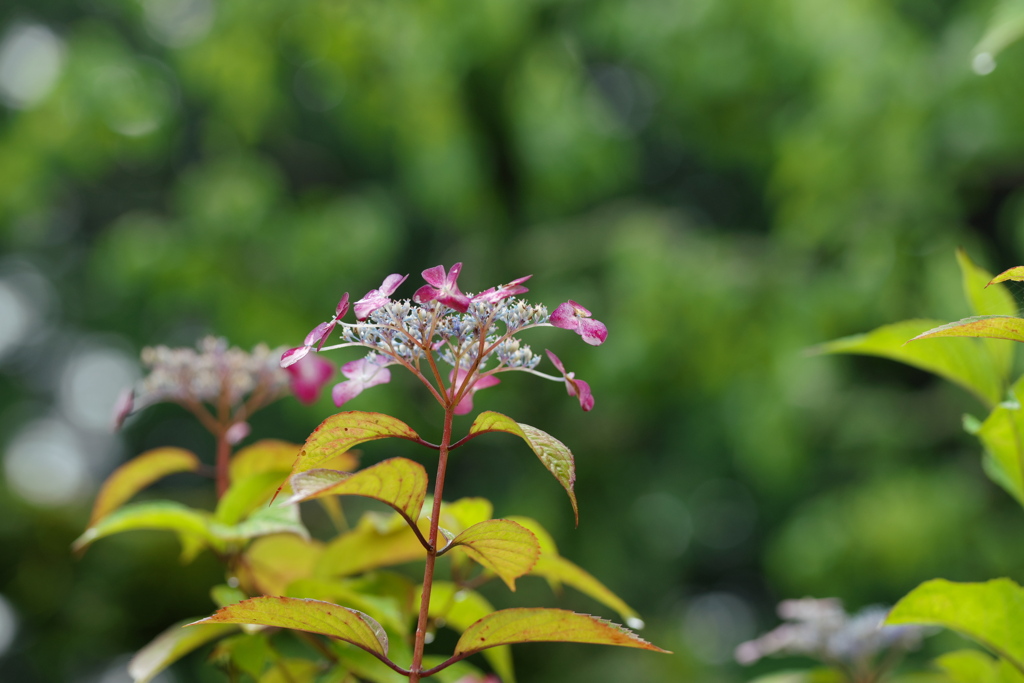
(821, 628)
(475, 334)
(227, 378)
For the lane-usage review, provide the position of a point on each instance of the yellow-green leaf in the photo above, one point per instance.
(990, 613)
(508, 549)
(161, 514)
(172, 645)
(398, 482)
(556, 568)
(988, 300)
(272, 519)
(963, 361)
(137, 474)
(386, 609)
(982, 326)
(312, 616)
(538, 624)
(974, 666)
(1016, 273)
(291, 670)
(552, 453)
(339, 433)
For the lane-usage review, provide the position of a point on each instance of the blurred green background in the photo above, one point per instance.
(724, 183)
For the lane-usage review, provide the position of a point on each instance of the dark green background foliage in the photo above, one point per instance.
(724, 183)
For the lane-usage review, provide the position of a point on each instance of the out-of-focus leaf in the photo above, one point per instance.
(463, 513)
(508, 549)
(339, 433)
(312, 616)
(552, 453)
(556, 568)
(371, 544)
(974, 666)
(1001, 434)
(245, 495)
(988, 300)
(160, 514)
(270, 564)
(274, 519)
(247, 652)
(538, 624)
(137, 474)
(808, 676)
(369, 668)
(224, 595)
(172, 645)
(1005, 27)
(990, 613)
(459, 609)
(272, 455)
(291, 671)
(963, 361)
(457, 672)
(397, 482)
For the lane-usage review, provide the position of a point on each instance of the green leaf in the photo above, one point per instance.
(397, 482)
(508, 549)
(962, 361)
(384, 608)
(292, 670)
(988, 300)
(536, 625)
(224, 595)
(273, 519)
(1001, 434)
(373, 543)
(137, 474)
(820, 675)
(459, 609)
(312, 616)
(1016, 273)
(246, 652)
(556, 568)
(272, 455)
(990, 613)
(974, 666)
(172, 645)
(552, 453)
(160, 514)
(338, 433)
(247, 494)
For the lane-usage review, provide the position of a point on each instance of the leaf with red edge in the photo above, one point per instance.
(137, 474)
(1016, 273)
(544, 625)
(397, 482)
(313, 616)
(984, 326)
(172, 645)
(339, 433)
(552, 453)
(508, 549)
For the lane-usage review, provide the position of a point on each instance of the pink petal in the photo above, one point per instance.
(425, 293)
(318, 334)
(435, 276)
(465, 405)
(556, 361)
(293, 356)
(453, 274)
(346, 391)
(593, 332)
(237, 432)
(456, 300)
(391, 283)
(309, 376)
(342, 308)
(564, 316)
(581, 390)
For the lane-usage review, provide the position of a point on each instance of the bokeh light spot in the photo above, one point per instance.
(31, 57)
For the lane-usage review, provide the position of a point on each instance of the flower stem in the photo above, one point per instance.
(428, 571)
(223, 460)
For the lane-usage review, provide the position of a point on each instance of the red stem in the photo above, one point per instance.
(415, 671)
